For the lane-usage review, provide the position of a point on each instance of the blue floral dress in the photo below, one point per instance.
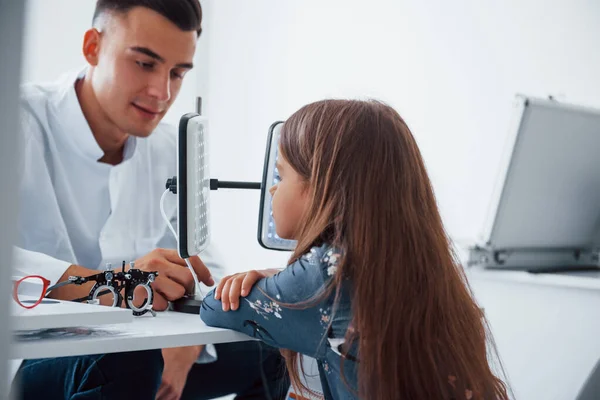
(281, 311)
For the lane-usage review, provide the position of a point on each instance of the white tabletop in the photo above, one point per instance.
(589, 280)
(167, 329)
(58, 314)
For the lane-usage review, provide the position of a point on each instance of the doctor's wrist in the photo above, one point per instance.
(70, 292)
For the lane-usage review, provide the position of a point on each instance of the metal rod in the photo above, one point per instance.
(216, 184)
(199, 105)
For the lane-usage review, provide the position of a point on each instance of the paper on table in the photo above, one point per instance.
(69, 333)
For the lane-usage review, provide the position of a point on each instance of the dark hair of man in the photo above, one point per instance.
(186, 14)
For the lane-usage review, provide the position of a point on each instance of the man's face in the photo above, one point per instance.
(142, 59)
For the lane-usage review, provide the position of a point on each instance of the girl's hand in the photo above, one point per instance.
(232, 287)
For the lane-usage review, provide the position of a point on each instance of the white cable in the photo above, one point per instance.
(187, 261)
(164, 214)
(197, 290)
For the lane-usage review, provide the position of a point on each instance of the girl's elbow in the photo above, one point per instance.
(209, 312)
(206, 317)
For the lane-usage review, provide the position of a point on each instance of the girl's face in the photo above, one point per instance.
(290, 199)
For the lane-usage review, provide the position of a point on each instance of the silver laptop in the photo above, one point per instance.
(545, 213)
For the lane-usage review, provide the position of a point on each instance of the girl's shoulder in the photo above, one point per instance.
(326, 256)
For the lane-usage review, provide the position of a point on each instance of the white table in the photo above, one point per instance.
(167, 329)
(52, 313)
(547, 328)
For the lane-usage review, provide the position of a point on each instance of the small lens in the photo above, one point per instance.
(142, 298)
(106, 295)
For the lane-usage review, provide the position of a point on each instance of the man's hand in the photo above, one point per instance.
(174, 278)
(72, 292)
(173, 282)
(233, 286)
(178, 362)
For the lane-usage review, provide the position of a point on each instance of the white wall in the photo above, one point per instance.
(53, 39)
(450, 68)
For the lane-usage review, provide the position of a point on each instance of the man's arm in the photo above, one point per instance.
(173, 281)
(26, 262)
(33, 263)
(72, 292)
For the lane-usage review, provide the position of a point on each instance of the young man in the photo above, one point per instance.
(95, 164)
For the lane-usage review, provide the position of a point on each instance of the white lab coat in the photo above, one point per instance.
(75, 210)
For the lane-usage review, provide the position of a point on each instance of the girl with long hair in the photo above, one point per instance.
(373, 290)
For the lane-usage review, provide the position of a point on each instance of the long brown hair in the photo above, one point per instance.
(420, 334)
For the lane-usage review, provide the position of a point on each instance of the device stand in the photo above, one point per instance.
(187, 304)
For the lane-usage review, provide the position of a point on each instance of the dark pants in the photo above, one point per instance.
(137, 375)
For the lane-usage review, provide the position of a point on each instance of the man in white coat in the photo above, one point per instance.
(96, 160)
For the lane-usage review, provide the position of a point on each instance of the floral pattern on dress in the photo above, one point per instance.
(311, 256)
(325, 317)
(265, 308)
(332, 258)
(326, 367)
